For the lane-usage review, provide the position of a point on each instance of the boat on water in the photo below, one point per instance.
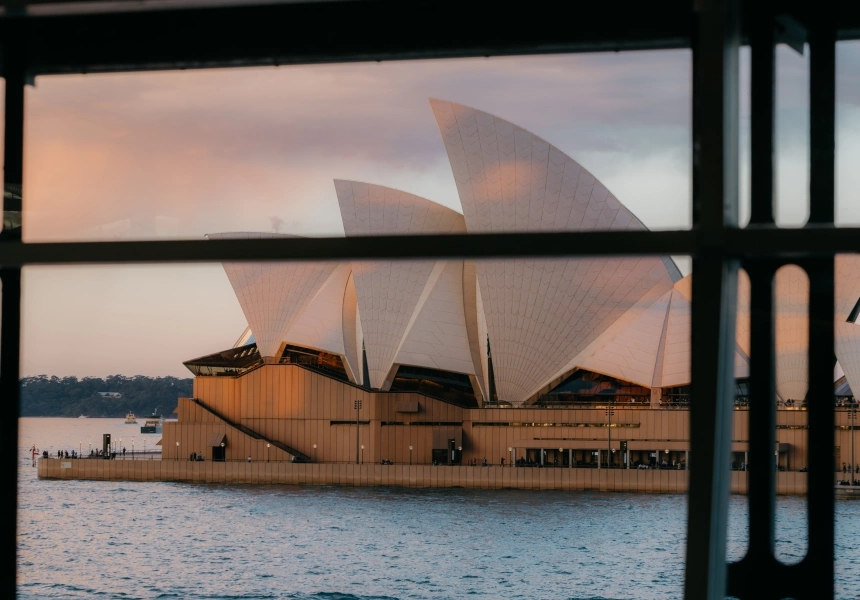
(152, 423)
(129, 419)
(83, 417)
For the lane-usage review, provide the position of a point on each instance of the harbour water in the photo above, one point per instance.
(83, 539)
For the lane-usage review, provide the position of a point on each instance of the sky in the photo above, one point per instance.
(183, 154)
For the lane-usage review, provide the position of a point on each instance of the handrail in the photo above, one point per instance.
(251, 432)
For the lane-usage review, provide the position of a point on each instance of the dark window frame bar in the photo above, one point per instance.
(70, 41)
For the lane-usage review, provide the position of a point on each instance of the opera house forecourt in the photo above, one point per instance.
(568, 373)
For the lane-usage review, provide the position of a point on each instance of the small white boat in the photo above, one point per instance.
(83, 417)
(129, 419)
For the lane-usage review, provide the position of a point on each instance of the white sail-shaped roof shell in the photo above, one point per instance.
(626, 318)
(273, 294)
(438, 337)
(320, 324)
(540, 313)
(410, 311)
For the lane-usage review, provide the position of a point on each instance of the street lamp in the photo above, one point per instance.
(132, 448)
(91, 448)
(267, 451)
(177, 450)
(80, 445)
(119, 447)
(410, 455)
(511, 454)
(362, 454)
(315, 452)
(852, 412)
(560, 455)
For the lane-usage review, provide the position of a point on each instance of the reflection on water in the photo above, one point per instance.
(81, 539)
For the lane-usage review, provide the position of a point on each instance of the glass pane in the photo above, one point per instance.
(184, 154)
(408, 369)
(847, 133)
(846, 452)
(792, 135)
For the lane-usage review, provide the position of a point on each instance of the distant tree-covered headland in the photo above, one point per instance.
(113, 396)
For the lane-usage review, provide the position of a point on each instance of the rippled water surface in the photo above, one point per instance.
(80, 539)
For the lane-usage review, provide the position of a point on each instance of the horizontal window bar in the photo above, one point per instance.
(361, 30)
(786, 243)
(78, 37)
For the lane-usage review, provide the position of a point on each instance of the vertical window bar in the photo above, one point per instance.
(754, 575)
(818, 573)
(747, 577)
(762, 99)
(10, 319)
(816, 581)
(715, 208)
(13, 159)
(10, 331)
(762, 413)
(822, 117)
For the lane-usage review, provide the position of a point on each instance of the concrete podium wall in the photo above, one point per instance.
(415, 476)
(301, 408)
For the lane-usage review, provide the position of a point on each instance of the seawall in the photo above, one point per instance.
(414, 476)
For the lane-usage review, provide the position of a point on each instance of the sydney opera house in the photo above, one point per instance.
(578, 362)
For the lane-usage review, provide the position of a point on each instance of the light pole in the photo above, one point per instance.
(560, 459)
(91, 448)
(609, 413)
(119, 447)
(267, 451)
(410, 455)
(511, 454)
(132, 448)
(315, 452)
(223, 454)
(357, 404)
(177, 450)
(144, 446)
(80, 445)
(852, 412)
(362, 454)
